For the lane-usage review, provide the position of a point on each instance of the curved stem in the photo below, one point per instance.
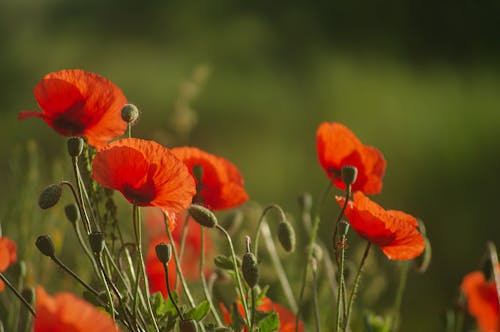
(341, 277)
(179, 312)
(261, 221)
(356, 284)
(203, 280)
(18, 295)
(237, 273)
(183, 242)
(83, 212)
(74, 275)
(178, 263)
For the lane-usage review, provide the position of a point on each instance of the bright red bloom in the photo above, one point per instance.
(79, 103)
(190, 258)
(337, 147)
(221, 182)
(287, 318)
(68, 313)
(482, 300)
(395, 232)
(146, 173)
(8, 256)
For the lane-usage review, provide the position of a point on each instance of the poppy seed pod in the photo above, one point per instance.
(250, 269)
(50, 196)
(163, 252)
(45, 245)
(96, 240)
(130, 113)
(202, 215)
(75, 146)
(71, 212)
(286, 236)
(188, 325)
(349, 174)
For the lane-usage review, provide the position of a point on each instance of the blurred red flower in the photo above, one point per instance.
(337, 147)
(287, 318)
(482, 300)
(68, 313)
(221, 182)
(395, 232)
(79, 103)
(190, 259)
(146, 173)
(8, 256)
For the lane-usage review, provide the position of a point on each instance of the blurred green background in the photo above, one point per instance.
(417, 79)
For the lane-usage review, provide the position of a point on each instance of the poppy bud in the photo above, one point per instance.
(305, 201)
(349, 174)
(45, 245)
(202, 215)
(130, 113)
(96, 240)
(75, 146)
(50, 196)
(71, 212)
(286, 236)
(163, 252)
(188, 325)
(250, 269)
(223, 262)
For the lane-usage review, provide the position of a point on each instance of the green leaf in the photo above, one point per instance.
(375, 323)
(262, 294)
(270, 323)
(199, 312)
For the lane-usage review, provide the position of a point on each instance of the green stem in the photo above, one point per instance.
(341, 277)
(178, 264)
(356, 284)
(315, 294)
(80, 203)
(312, 239)
(204, 281)
(183, 242)
(142, 265)
(403, 276)
(74, 275)
(261, 221)
(179, 312)
(237, 273)
(106, 286)
(17, 294)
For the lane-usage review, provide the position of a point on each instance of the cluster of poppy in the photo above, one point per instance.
(78, 103)
(395, 232)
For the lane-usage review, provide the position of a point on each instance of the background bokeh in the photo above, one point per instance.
(417, 79)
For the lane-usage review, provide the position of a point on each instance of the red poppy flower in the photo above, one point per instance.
(68, 313)
(395, 232)
(482, 300)
(190, 258)
(221, 182)
(79, 103)
(8, 256)
(287, 318)
(145, 173)
(337, 147)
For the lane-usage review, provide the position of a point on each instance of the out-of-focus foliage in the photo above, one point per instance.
(419, 80)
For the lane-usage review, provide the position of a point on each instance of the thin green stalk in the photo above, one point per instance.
(85, 248)
(237, 273)
(312, 239)
(254, 307)
(261, 221)
(106, 286)
(315, 294)
(356, 284)
(399, 296)
(81, 205)
(74, 275)
(178, 264)
(179, 312)
(183, 242)
(17, 294)
(142, 266)
(203, 280)
(341, 277)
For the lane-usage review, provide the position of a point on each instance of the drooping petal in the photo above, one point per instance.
(395, 232)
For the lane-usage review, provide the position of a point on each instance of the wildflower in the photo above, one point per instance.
(79, 103)
(146, 173)
(190, 259)
(8, 256)
(286, 318)
(221, 182)
(66, 312)
(337, 147)
(395, 232)
(482, 300)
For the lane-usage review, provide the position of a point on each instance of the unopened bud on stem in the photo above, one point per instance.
(250, 269)
(75, 146)
(45, 245)
(286, 236)
(96, 240)
(203, 216)
(349, 174)
(163, 252)
(130, 113)
(71, 212)
(50, 196)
